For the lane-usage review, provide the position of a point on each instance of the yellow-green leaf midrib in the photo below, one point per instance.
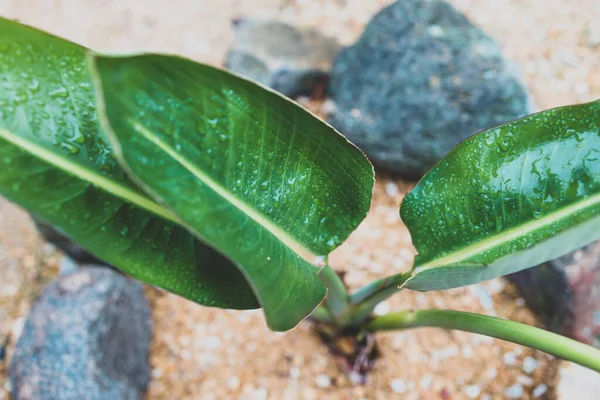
(522, 230)
(215, 186)
(87, 175)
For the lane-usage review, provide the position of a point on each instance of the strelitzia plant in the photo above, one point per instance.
(210, 186)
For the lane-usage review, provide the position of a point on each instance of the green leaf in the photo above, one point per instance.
(507, 199)
(247, 170)
(56, 162)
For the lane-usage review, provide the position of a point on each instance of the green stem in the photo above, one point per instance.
(322, 314)
(337, 301)
(515, 332)
(366, 298)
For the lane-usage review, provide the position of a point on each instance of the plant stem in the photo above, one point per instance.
(366, 298)
(322, 314)
(337, 301)
(511, 331)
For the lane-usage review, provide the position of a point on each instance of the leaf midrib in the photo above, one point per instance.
(510, 234)
(281, 235)
(87, 175)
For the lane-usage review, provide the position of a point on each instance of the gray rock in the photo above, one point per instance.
(566, 293)
(545, 289)
(290, 60)
(87, 337)
(421, 79)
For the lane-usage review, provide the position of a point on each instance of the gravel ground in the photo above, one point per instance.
(206, 353)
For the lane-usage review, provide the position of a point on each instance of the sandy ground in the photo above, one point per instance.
(206, 353)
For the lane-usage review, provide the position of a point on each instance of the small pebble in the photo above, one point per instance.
(518, 350)
(484, 296)
(157, 373)
(201, 328)
(323, 381)
(405, 253)
(510, 358)
(425, 381)
(233, 382)
(515, 391)
(243, 317)
(377, 268)
(581, 88)
(294, 373)
(185, 341)
(477, 339)
(530, 67)
(525, 380)
(382, 308)
(356, 378)
(212, 343)
(449, 352)
(328, 107)
(467, 351)
(398, 386)
(319, 261)
(309, 393)
(398, 263)
(303, 100)
(492, 373)
(9, 290)
(530, 364)
(593, 36)
(259, 394)
(472, 391)
(520, 302)
(496, 286)
(540, 390)
(49, 249)
(252, 347)
(391, 189)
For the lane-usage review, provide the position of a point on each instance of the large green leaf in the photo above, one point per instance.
(57, 164)
(250, 172)
(507, 199)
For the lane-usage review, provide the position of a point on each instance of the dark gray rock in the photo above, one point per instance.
(290, 60)
(87, 337)
(421, 79)
(545, 289)
(566, 293)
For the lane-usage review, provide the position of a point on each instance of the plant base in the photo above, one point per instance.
(355, 350)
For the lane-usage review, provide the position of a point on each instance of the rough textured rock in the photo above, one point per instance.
(87, 337)
(419, 80)
(566, 293)
(546, 291)
(290, 60)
